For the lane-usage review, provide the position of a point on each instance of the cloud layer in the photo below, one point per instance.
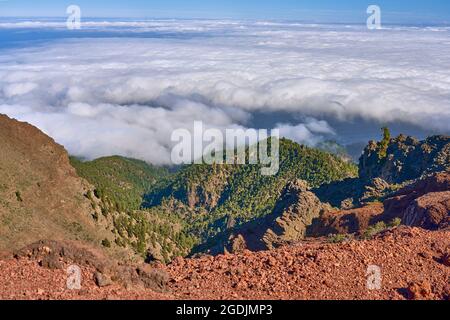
(125, 95)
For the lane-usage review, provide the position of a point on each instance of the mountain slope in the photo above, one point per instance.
(414, 265)
(120, 184)
(213, 198)
(40, 194)
(293, 213)
(42, 197)
(124, 181)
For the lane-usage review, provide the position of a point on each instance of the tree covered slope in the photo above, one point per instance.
(212, 197)
(123, 180)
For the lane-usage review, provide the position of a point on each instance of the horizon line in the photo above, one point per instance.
(387, 22)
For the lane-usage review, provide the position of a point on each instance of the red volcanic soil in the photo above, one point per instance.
(414, 264)
(407, 257)
(24, 279)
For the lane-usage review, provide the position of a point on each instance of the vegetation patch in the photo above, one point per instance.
(380, 227)
(19, 196)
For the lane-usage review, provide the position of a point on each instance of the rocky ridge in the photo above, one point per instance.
(383, 172)
(405, 158)
(294, 211)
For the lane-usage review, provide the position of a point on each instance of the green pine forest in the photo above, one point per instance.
(172, 212)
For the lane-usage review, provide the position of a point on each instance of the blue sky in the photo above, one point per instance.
(395, 11)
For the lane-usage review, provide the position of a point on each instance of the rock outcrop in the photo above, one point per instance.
(431, 211)
(406, 159)
(425, 203)
(293, 213)
(382, 172)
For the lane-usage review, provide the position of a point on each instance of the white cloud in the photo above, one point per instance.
(18, 89)
(311, 132)
(124, 95)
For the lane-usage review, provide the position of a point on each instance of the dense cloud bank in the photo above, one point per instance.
(104, 95)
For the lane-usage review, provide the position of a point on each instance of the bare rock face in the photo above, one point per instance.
(431, 211)
(154, 253)
(406, 159)
(154, 279)
(381, 171)
(425, 203)
(445, 259)
(293, 213)
(375, 189)
(102, 280)
(354, 192)
(238, 244)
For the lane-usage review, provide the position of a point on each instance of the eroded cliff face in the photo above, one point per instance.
(406, 159)
(424, 203)
(294, 211)
(383, 172)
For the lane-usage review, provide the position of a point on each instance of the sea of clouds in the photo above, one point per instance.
(122, 87)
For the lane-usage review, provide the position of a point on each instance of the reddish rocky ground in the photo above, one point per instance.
(415, 264)
(24, 279)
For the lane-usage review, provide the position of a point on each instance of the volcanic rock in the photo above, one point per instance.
(406, 159)
(102, 280)
(293, 213)
(419, 291)
(425, 203)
